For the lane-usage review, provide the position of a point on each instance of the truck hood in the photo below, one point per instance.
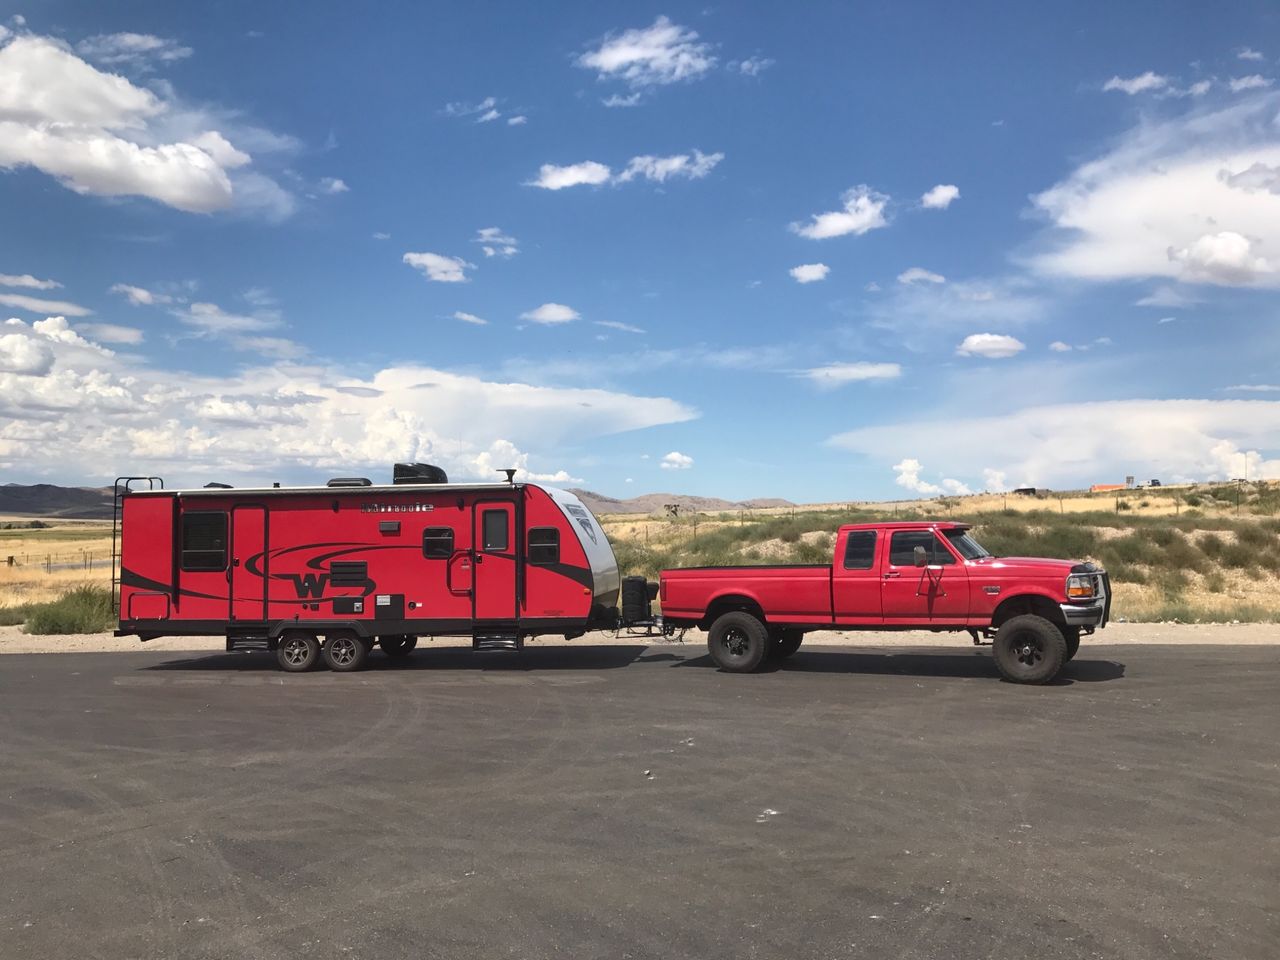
(1033, 566)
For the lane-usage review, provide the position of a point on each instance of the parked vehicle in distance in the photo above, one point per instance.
(896, 576)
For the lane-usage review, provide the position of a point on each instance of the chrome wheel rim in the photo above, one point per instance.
(342, 650)
(296, 651)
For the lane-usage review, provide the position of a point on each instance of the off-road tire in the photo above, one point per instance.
(397, 646)
(783, 643)
(738, 642)
(345, 652)
(1072, 636)
(1029, 649)
(298, 651)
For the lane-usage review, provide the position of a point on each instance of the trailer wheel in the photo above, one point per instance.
(298, 651)
(345, 652)
(397, 646)
(1072, 636)
(738, 642)
(783, 643)
(1029, 649)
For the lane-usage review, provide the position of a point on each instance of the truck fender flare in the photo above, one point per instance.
(1038, 602)
(725, 602)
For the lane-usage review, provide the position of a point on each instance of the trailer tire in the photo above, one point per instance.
(1072, 636)
(345, 652)
(298, 651)
(738, 642)
(783, 643)
(1029, 649)
(397, 646)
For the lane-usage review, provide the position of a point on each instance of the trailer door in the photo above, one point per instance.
(495, 564)
(246, 573)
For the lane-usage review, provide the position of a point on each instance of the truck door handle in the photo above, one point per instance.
(892, 574)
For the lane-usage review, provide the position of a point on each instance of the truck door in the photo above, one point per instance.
(938, 591)
(247, 580)
(855, 580)
(495, 561)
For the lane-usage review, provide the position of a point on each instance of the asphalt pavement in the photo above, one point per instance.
(635, 802)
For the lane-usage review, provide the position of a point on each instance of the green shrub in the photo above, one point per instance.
(83, 609)
(1215, 582)
(1211, 545)
(10, 616)
(1192, 500)
(1254, 535)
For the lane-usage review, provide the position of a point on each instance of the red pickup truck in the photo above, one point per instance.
(896, 576)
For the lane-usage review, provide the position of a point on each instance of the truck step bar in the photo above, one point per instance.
(493, 642)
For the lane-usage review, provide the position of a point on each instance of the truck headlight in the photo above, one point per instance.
(1080, 587)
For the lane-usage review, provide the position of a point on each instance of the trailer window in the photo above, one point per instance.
(204, 541)
(437, 543)
(860, 550)
(902, 548)
(494, 525)
(544, 546)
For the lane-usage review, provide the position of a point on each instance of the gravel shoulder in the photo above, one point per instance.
(13, 640)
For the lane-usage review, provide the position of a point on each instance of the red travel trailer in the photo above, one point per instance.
(282, 567)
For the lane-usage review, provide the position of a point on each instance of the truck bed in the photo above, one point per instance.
(792, 593)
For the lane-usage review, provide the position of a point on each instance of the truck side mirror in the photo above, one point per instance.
(921, 556)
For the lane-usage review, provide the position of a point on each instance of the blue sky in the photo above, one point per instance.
(825, 251)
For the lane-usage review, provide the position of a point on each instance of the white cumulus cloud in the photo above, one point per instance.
(1142, 83)
(675, 460)
(39, 305)
(550, 314)
(552, 177)
(1189, 199)
(660, 54)
(940, 197)
(439, 268)
(809, 272)
(111, 332)
(140, 296)
(133, 49)
(27, 281)
(1252, 82)
(920, 275)
(693, 166)
(993, 346)
(907, 474)
(863, 211)
(469, 318)
(496, 243)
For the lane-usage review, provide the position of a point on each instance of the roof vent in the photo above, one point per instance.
(217, 486)
(418, 473)
(350, 482)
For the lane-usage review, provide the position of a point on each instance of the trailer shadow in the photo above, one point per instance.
(585, 657)
(972, 664)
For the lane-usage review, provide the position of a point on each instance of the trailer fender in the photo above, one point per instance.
(364, 629)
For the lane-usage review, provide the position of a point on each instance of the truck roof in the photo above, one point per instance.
(907, 525)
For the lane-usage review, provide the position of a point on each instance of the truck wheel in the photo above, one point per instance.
(345, 652)
(298, 652)
(738, 642)
(1029, 649)
(783, 643)
(397, 646)
(1072, 636)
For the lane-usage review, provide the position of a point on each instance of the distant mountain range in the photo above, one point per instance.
(94, 503)
(47, 500)
(598, 503)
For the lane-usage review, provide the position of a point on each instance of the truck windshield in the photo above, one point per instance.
(965, 545)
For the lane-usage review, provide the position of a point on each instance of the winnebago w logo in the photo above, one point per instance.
(307, 585)
(341, 573)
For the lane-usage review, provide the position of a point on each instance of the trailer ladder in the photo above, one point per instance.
(122, 486)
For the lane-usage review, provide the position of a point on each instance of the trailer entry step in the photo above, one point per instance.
(488, 642)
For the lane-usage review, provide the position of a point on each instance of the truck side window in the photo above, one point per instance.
(544, 546)
(204, 541)
(494, 524)
(437, 543)
(860, 550)
(903, 545)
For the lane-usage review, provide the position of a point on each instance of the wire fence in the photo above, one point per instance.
(87, 560)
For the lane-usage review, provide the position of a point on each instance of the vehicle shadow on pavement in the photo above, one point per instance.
(971, 664)
(605, 657)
